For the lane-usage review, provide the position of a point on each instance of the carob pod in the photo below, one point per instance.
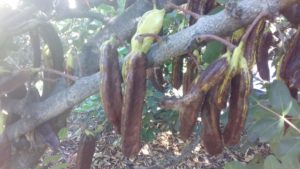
(238, 104)
(292, 13)
(87, 147)
(53, 58)
(152, 76)
(211, 132)
(189, 75)
(159, 77)
(36, 47)
(262, 56)
(13, 81)
(150, 23)
(133, 101)
(208, 78)
(177, 65)
(110, 83)
(222, 90)
(134, 74)
(188, 117)
(252, 43)
(190, 105)
(290, 63)
(6, 151)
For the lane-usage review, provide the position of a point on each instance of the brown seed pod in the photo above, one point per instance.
(158, 74)
(177, 65)
(152, 76)
(292, 13)
(189, 75)
(238, 106)
(87, 147)
(262, 56)
(190, 105)
(133, 101)
(11, 82)
(188, 117)
(110, 84)
(211, 131)
(53, 58)
(290, 63)
(253, 42)
(5, 150)
(208, 78)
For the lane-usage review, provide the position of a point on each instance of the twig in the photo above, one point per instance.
(71, 77)
(152, 35)
(228, 44)
(173, 6)
(81, 14)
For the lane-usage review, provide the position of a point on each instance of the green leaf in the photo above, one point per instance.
(234, 165)
(51, 159)
(222, 1)
(63, 133)
(60, 166)
(213, 50)
(290, 162)
(259, 112)
(265, 129)
(272, 163)
(289, 145)
(279, 96)
(121, 6)
(293, 109)
(2, 122)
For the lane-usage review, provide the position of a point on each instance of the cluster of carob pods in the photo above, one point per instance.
(223, 84)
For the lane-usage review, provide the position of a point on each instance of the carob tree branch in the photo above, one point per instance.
(122, 27)
(80, 14)
(222, 23)
(177, 44)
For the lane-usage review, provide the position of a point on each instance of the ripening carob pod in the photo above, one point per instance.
(262, 56)
(188, 116)
(53, 57)
(238, 104)
(152, 76)
(5, 150)
(133, 101)
(252, 43)
(290, 63)
(159, 77)
(208, 78)
(13, 81)
(190, 105)
(134, 74)
(211, 131)
(189, 75)
(177, 73)
(87, 147)
(221, 93)
(110, 83)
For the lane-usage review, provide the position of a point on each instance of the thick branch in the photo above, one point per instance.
(122, 26)
(222, 23)
(80, 14)
(53, 106)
